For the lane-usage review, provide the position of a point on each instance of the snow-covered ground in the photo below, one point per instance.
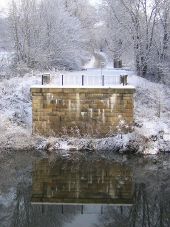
(152, 115)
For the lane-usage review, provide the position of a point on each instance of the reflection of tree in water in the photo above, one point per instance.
(151, 206)
(26, 214)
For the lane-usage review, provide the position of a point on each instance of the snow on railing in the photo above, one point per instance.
(84, 80)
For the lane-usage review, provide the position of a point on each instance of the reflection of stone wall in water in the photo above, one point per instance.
(81, 183)
(93, 111)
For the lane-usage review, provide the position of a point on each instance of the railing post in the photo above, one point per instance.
(101, 209)
(123, 79)
(46, 79)
(62, 80)
(62, 209)
(82, 80)
(82, 209)
(102, 80)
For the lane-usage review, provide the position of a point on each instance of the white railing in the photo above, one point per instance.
(85, 80)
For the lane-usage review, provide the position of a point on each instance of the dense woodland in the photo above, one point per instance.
(65, 34)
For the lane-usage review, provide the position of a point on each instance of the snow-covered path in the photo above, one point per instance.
(92, 73)
(98, 59)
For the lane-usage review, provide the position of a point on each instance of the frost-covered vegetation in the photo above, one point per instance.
(50, 33)
(140, 28)
(57, 35)
(151, 118)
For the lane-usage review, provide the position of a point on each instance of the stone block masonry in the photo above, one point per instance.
(94, 111)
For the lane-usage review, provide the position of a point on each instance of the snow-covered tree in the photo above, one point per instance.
(87, 15)
(63, 39)
(135, 24)
(162, 42)
(46, 35)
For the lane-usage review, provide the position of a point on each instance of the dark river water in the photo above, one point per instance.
(84, 190)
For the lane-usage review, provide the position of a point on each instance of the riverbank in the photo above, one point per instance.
(151, 128)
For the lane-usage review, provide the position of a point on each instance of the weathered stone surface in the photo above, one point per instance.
(93, 111)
